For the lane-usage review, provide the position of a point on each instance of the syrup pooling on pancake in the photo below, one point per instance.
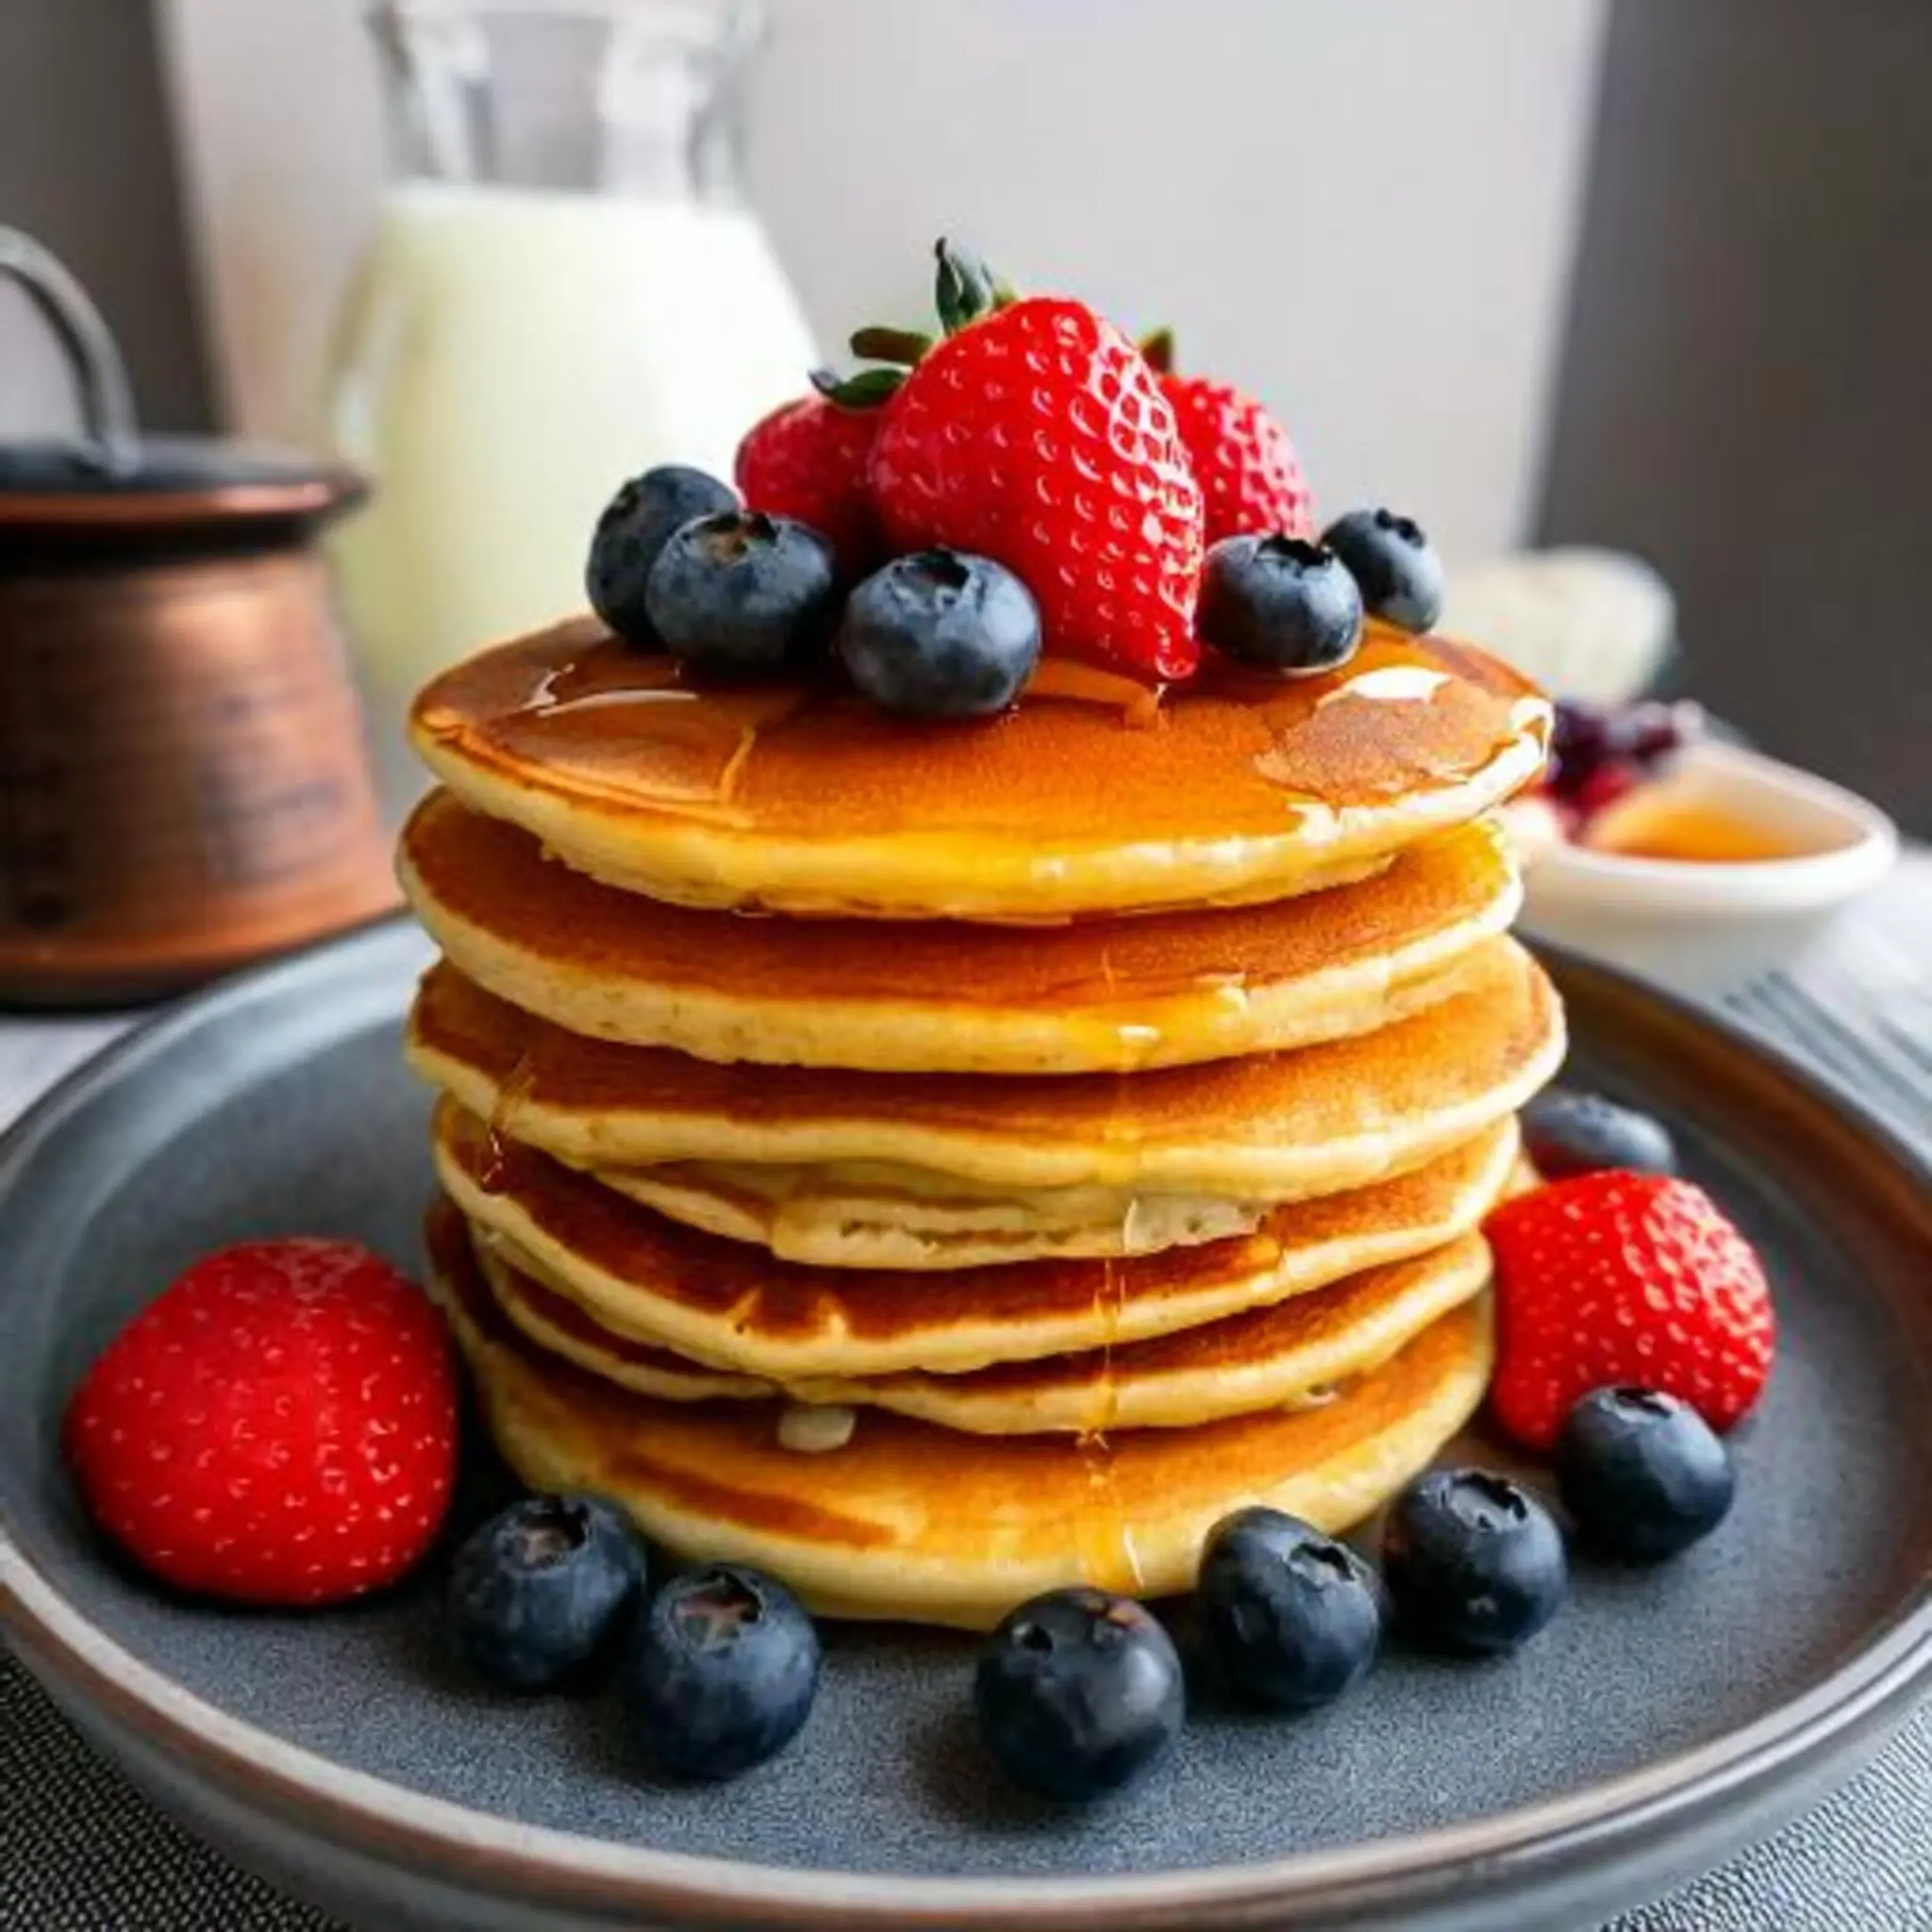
(806, 798)
(1233, 747)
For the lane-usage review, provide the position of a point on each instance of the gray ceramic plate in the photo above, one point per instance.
(1663, 1717)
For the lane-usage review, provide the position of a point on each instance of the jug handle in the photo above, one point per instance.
(93, 358)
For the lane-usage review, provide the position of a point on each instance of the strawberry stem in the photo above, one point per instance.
(1157, 347)
(963, 287)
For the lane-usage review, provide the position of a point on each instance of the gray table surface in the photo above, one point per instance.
(82, 1851)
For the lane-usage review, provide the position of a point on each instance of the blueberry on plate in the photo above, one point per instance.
(1473, 1561)
(1566, 1131)
(722, 1671)
(1643, 1473)
(633, 529)
(940, 634)
(1400, 575)
(743, 595)
(541, 1591)
(1281, 603)
(1293, 1617)
(1078, 1694)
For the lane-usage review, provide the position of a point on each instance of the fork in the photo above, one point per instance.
(1838, 1030)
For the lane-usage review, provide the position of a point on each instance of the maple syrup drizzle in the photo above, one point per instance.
(499, 1141)
(1109, 1558)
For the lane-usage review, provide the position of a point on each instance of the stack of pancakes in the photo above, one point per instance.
(938, 1163)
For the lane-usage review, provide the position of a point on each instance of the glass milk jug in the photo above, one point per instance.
(564, 287)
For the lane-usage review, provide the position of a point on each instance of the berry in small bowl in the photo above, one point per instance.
(941, 634)
(633, 529)
(1396, 564)
(720, 1671)
(1292, 1617)
(1600, 755)
(1474, 1562)
(1644, 1476)
(742, 595)
(1079, 1692)
(1280, 603)
(539, 1594)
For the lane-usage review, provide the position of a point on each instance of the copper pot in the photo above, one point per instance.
(183, 781)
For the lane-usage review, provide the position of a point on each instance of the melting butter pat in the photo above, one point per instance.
(1389, 684)
(816, 1430)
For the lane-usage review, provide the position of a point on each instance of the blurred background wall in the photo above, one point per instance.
(1746, 395)
(87, 164)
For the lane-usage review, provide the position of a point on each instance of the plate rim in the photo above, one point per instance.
(373, 1816)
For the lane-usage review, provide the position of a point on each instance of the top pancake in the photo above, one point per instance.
(1090, 796)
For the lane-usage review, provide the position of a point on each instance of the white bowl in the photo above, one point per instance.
(1709, 927)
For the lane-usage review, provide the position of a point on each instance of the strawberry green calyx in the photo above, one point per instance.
(1157, 347)
(901, 346)
(965, 291)
(868, 390)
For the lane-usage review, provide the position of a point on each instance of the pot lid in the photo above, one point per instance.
(163, 480)
(112, 476)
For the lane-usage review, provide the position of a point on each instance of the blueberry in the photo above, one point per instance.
(1079, 1692)
(1400, 575)
(1569, 1132)
(541, 1591)
(1642, 1473)
(1281, 603)
(1293, 1617)
(743, 594)
(722, 1671)
(1473, 1561)
(940, 634)
(630, 533)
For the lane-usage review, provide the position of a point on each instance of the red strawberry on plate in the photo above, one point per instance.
(808, 461)
(1035, 434)
(1250, 476)
(279, 1427)
(1622, 1277)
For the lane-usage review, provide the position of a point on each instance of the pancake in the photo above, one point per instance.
(1295, 1352)
(946, 996)
(883, 1217)
(1269, 1127)
(906, 1521)
(1090, 796)
(728, 1306)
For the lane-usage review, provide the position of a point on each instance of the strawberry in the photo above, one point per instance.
(1624, 1277)
(808, 461)
(277, 1427)
(1250, 479)
(1034, 433)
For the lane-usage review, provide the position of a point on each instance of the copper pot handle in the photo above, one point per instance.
(93, 358)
